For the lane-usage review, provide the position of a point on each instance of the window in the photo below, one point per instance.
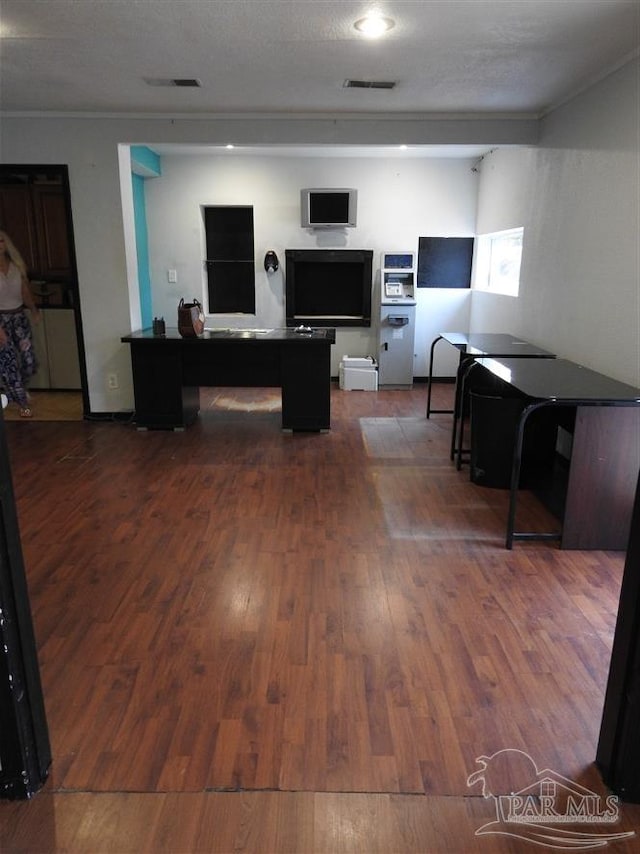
(498, 262)
(230, 260)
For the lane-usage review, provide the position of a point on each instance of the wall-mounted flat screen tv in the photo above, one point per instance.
(328, 207)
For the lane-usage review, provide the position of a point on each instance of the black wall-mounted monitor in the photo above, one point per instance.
(328, 208)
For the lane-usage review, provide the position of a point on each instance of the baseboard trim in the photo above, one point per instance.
(119, 417)
(419, 380)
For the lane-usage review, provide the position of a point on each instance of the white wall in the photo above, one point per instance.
(578, 197)
(398, 200)
(89, 146)
(504, 201)
(580, 277)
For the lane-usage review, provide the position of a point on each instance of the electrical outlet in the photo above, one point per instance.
(112, 381)
(172, 275)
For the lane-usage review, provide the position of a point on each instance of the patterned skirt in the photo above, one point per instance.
(18, 361)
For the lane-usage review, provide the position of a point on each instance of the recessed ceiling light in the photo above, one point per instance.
(374, 26)
(184, 82)
(230, 146)
(369, 84)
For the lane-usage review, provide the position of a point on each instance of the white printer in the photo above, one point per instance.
(358, 373)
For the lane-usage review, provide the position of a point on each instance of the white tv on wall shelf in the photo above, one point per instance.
(328, 207)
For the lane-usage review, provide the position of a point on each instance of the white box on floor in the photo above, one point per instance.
(358, 374)
(358, 362)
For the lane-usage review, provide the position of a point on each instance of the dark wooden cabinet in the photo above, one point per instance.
(51, 228)
(35, 218)
(16, 218)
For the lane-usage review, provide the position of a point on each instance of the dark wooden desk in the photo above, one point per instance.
(168, 371)
(605, 456)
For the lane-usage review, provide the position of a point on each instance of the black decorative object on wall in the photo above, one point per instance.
(271, 262)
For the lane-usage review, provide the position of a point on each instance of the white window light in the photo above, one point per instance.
(498, 258)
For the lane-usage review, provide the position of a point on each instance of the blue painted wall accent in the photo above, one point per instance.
(142, 248)
(144, 161)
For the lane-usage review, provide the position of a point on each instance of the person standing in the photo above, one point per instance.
(18, 361)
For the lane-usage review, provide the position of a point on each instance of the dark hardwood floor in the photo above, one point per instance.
(253, 640)
(49, 406)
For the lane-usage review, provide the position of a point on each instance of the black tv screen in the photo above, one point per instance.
(328, 208)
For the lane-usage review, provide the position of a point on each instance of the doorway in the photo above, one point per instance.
(35, 210)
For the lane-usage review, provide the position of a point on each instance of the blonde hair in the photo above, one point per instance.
(14, 255)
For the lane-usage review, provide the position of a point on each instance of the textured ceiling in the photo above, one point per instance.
(282, 56)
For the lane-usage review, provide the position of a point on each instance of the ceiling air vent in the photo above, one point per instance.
(173, 81)
(369, 84)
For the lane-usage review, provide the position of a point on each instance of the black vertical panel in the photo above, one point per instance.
(25, 753)
(231, 287)
(229, 231)
(445, 262)
(618, 753)
(230, 259)
(306, 385)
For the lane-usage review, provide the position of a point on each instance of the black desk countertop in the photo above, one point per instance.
(240, 334)
(474, 345)
(494, 344)
(560, 380)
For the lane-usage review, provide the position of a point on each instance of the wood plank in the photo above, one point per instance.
(255, 822)
(237, 608)
(603, 478)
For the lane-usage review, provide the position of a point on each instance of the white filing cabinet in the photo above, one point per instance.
(397, 333)
(56, 345)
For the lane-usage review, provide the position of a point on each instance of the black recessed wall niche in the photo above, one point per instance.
(230, 259)
(445, 262)
(328, 287)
